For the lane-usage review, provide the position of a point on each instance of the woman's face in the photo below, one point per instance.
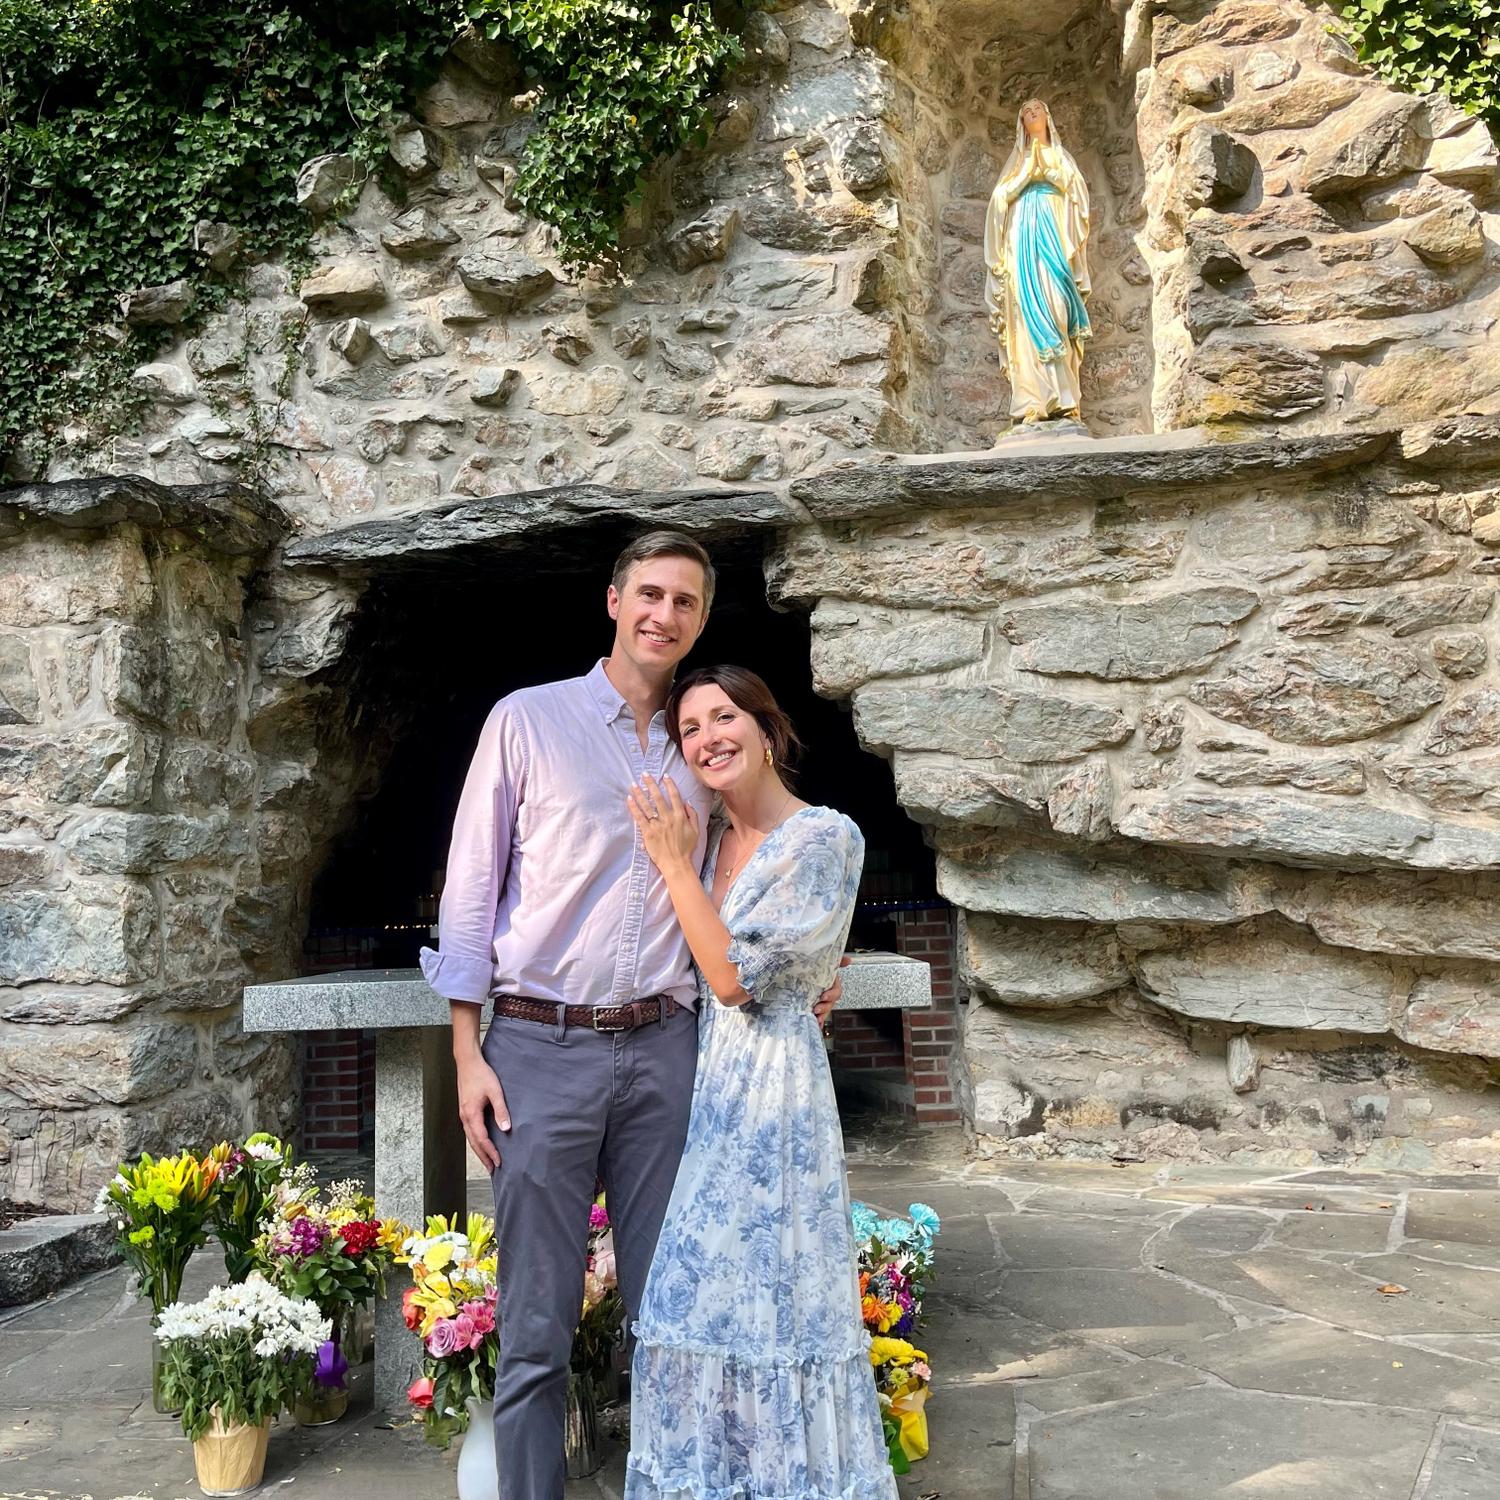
(1034, 123)
(722, 744)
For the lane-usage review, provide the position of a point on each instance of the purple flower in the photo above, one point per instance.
(444, 1339)
(331, 1366)
(303, 1237)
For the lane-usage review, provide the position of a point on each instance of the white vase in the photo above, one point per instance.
(477, 1476)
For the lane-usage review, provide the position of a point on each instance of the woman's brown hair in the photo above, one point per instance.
(750, 695)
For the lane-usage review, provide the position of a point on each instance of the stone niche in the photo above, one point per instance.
(1207, 741)
(959, 74)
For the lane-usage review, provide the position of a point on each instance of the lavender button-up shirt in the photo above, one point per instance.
(550, 892)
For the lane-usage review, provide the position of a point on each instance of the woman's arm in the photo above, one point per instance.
(669, 830)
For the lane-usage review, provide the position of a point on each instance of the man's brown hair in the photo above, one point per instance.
(665, 544)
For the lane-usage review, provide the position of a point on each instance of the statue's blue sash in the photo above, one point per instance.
(1039, 254)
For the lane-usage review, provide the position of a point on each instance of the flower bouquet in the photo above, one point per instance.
(231, 1362)
(451, 1307)
(160, 1208)
(902, 1378)
(895, 1265)
(249, 1175)
(334, 1254)
(598, 1334)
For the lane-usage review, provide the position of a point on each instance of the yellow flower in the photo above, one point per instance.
(886, 1351)
(391, 1233)
(439, 1256)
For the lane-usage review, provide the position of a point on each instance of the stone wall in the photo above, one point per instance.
(1322, 248)
(162, 805)
(1208, 742)
(1277, 238)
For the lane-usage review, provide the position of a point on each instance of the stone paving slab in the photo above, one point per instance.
(1466, 1465)
(1145, 1332)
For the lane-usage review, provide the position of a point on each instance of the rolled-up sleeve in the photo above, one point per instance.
(478, 861)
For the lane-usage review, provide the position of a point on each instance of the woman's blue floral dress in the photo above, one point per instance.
(752, 1376)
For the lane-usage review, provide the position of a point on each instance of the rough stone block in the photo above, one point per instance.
(986, 721)
(839, 348)
(995, 872)
(1147, 641)
(343, 287)
(1269, 976)
(103, 765)
(99, 932)
(1372, 141)
(1361, 835)
(509, 277)
(59, 580)
(852, 644)
(1212, 168)
(1040, 963)
(1323, 695)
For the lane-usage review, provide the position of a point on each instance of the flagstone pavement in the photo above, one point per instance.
(1098, 1332)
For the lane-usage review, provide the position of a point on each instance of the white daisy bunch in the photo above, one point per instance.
(262, 1150)
(245, 1351)
(277, 1324)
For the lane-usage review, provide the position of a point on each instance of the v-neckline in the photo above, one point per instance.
(714, 862)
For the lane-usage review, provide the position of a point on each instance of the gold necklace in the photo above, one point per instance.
(739, 864)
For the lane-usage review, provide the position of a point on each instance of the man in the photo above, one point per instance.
(552, 905)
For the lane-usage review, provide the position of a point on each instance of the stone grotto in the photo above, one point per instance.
(1191, 722)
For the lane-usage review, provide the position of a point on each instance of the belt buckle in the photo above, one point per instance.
(623, 1025)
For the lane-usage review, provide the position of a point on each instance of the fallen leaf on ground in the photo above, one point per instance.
(1391, 1289)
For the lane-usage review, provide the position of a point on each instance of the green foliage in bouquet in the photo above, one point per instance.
(249, 1175)
(160, 1207)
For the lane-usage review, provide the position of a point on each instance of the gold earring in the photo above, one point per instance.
(769, 760)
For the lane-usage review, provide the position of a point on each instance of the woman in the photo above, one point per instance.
(752, 1378)
(1035, 237)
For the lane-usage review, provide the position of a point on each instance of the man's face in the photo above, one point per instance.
(659, 613)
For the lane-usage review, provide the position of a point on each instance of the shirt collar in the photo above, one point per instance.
(605, 694)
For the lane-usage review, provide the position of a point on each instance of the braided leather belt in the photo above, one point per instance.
(593, 1017)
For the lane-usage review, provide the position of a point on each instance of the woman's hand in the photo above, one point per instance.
(669, 827)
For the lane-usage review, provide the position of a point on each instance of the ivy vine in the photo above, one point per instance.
(1431, 46)
(123, 123)
(622, 84)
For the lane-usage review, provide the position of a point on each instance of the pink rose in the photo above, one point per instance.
(419, 1393)
(443, 1340)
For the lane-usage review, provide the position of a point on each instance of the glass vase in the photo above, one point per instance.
(159, 1403)
(321, 1404)
(581, 1429)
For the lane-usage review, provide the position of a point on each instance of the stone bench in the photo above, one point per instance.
(419, 1145)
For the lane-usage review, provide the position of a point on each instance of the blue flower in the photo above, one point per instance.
(864, 1219)
(894, 1232)
(924, 1220)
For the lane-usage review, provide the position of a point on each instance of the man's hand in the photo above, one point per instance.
(823, 1006)
(478, 1086)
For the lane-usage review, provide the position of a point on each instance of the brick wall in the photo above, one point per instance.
(930, 1035)
(900, 1058)
(337, 1067)
(338, 1090)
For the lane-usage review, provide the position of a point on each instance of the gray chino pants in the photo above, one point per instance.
(582, 1104)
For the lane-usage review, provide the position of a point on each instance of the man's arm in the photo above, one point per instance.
(462, 968)
(478, 1086)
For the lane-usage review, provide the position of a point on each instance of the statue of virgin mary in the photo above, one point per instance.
(1035, 237)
